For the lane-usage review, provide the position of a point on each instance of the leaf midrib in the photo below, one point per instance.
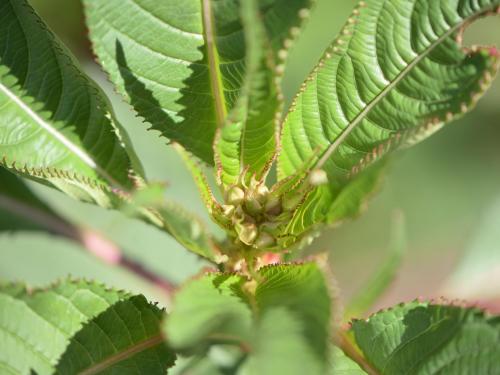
(362, 115)
(121, 356)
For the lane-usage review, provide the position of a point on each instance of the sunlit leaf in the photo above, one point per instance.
(56, 126)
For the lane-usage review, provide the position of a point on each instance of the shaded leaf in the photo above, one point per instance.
(37, 327)
(124, 339)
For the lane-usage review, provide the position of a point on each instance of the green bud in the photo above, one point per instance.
(248, 233)
(273, 206)
(253, 206)
(262, 192)
(228, 209)
(235, 196)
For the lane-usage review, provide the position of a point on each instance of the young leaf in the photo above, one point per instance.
(56, 126)
(395, 74)
(248, 141)
(283, 328)
(37, 327)
(427, 339)
(181, 65)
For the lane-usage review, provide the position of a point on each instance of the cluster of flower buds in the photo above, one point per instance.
(253, 211)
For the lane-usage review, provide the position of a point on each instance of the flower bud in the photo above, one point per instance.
(228, 209)
(235, 196)
(248, 233)
(253, 206)
(262, 192)
(273, 206)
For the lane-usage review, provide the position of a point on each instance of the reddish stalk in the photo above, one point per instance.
(92, 241)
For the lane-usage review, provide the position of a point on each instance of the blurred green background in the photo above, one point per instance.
(447, 187)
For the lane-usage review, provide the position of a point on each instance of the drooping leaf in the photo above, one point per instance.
(283, 328)
(424, 338)
(395, 75)
(56, 126)
(182, 65)
(38, 327)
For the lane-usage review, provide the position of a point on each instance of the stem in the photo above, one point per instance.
(352, 352)
(109, 253)
(92, 241)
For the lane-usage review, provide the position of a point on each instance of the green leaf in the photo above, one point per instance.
(56, 126)
(248, 141)
(303, 291)
(343, 365)
(209, 310)
(282, 328)
(38, 327)
(394, 76)
(124, 339)
(182, 65)
(280, 347)
(424, 338)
